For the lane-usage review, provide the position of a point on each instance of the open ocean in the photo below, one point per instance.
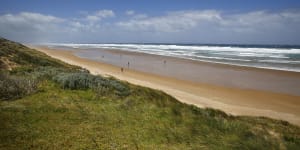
(278, 57)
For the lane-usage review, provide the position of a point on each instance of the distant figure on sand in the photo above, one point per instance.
(128, 64)
(165, 61)
(122, 69)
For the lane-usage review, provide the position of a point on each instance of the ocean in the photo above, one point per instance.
(278, 57)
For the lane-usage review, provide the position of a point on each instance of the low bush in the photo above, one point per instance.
(83, 80)
(12, 87)
(121, 89)
(47, 72)
(75, 81)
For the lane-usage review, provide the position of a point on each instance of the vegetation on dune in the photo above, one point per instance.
(99, 84)
(46, 104)
(13, 87)
(25, 57)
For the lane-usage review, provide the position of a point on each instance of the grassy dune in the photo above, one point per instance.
(47, 104)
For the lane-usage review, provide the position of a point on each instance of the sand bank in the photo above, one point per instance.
(229, 98)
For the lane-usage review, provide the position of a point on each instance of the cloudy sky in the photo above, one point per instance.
(155, 21)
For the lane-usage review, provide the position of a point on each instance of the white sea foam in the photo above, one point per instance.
(281, 61)
(186, 47)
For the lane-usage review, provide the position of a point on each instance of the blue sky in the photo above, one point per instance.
(172, 21)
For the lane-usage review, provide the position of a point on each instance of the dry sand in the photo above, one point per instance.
(232, 100)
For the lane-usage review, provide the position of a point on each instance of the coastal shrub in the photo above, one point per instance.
(103, 86)
(39, 72)
(120, 88)
(22, 70)
(12, 87)
(47, 72)
(83, 80)
(75, 81)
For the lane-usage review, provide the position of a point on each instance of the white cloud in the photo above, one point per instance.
(140, 16)
(26, 25)
(260, 22)
(91, 22)
(172, 22)
(27, 17)
(92, 18)
(130, 12)
(256, 23)
(105, 13)
(99, 15)
(204, 26)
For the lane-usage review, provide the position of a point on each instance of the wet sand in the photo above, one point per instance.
(235, 90)
(200, 72)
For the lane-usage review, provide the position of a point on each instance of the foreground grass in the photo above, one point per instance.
(77, 119)
(56, 117)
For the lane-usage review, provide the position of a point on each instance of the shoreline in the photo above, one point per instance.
(197, 71)
(235, 101)
(204, 61)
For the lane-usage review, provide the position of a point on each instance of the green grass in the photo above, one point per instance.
(56, 117)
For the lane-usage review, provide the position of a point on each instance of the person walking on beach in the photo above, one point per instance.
(122, 69)
(128, 64)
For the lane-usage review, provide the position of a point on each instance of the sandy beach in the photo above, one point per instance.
(235, 90)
